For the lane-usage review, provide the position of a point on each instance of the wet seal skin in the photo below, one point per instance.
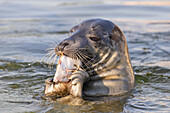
(94, 62)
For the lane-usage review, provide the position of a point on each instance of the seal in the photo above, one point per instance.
(97, 53)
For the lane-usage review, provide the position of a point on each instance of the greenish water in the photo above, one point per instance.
(27, 29)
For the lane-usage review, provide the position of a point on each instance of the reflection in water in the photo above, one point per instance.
(28, 27)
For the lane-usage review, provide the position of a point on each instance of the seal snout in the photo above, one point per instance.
(62, 45)
(60, 48)
(67, 48)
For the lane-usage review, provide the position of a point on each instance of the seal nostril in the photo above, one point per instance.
(64, 45)
(61, 46)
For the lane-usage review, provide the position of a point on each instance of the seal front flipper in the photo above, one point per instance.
(78, 78)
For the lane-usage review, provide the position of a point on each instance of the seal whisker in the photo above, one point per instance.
(86, 48)
(77, 21)
(50, 49)
(83, 60)
(87, 56)
(75, 54)
(46, 56)
(54, 43)
(53, 59)
(50, 59)
(78, 57)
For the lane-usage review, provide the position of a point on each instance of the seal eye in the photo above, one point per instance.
(94, 39)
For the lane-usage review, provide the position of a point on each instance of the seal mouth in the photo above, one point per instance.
(65, 67)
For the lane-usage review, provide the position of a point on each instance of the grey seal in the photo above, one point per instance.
(105, 67)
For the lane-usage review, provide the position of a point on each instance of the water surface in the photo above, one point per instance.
(28, 28)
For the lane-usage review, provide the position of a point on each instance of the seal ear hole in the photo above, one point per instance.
(94, 39)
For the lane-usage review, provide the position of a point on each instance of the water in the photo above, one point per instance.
(27, 29)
